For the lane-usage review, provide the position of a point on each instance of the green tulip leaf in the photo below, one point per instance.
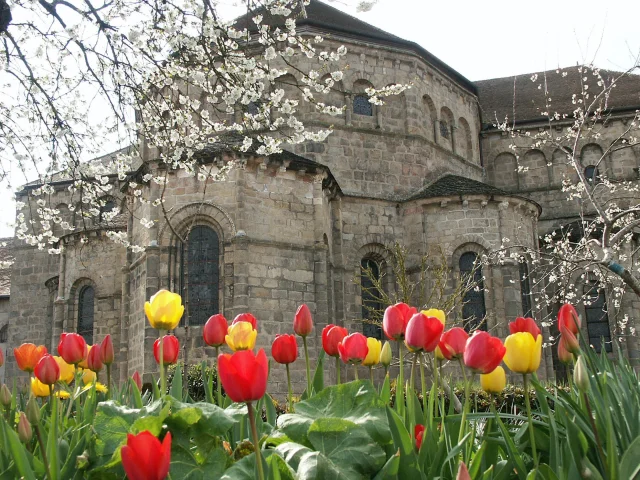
(629, 465)
(357, 402)
(347, 445)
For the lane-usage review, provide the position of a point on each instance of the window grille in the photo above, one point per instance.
(86, 313)
(371, 300)
(473, 309)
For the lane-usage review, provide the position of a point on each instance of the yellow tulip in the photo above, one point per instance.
(164, 310)
(38, 388)
(495, 381)
(88, 376)
(438, 354)
(373, 354)
(523, 352)
(67, 371)
(434, 312)
(385, 354)
(63, 395)
(241, 336)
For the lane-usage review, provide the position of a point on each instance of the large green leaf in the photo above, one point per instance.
(185, 464)
(357, 402)
(314, 465)
(209, 418)
(245, 469)
(347, 445)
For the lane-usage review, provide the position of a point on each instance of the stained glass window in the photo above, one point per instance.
(473, 309)
(591, 173)
(595, 309)
(370, 298)
(108, 207)
(362, 106)
(525, 290)
(202, 274)
(253, 108)
(85, 313)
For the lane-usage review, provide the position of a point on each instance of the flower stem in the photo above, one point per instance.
(163, 380)
(400, 384)
(371, 374)
(463, 426)
(595, 430)
(42, 450)
(413, 372)
(218, 384)
(338, 370)
(256, 441)
(531, 434)
(108, 382)
(306, 359)
(355, 370)
(423, 383)
(289, 389)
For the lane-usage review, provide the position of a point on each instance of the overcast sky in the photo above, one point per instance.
(488, 39)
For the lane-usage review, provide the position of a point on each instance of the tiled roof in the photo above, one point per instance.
(454, 185)
(327, 18)
(497, 95)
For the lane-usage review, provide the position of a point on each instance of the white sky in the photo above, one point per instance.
(488, 39)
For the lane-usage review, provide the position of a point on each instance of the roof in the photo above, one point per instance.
(497, 95)
(454, 185)
(330, 19)
(5, 273)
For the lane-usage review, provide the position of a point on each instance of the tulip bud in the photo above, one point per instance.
(564, 355)
(385, 354)
(106, 349)
(581, 375)
(33, 412)
(94, 359)
(24, 429)
(137, 380)
(1, 357)
(5, 396)
(302, 322)
(47, 370)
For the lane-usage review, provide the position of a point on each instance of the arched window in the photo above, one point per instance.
(525, 290)
(85, 313)
(4, 334)
(591, 174)
(597, 316)
(201, 272)
(362, 105)
(371, 299)
(473, 308)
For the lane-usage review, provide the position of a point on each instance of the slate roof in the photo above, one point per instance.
(496, 95)
(454, 185)
(329, 19)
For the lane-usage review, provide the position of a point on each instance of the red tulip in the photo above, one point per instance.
(215, 330)
(332, 335)
(246, 317)
(418, 433)
(569, 340)
(1, 357)
(423, 333)
(395, 320)
(47, 370)
(106, 350)
(564, 355)
(94, 360)
(353, 348)
(170, 350)
(302, 322)
(28, 355)
(137, 380)
(483, 352)
(284, 349)
(568, 318)
(244, 375)
(145, 458)
(453, 342)
(524, 325)
(72, 348)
